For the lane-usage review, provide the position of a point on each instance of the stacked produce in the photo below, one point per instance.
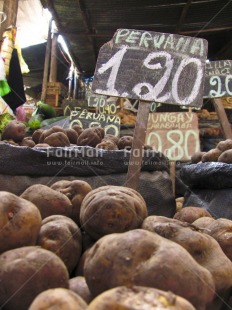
(57, 136)
(222, 153)
(73, 247)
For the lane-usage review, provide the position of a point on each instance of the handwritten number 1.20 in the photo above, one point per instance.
(154, 92)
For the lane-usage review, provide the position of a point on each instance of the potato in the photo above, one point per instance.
(221, 230)
(62, 236)
(138, 298)
(211, 155)
(27, 142)
(48, 132)
(91, 136)
(76, 191)
(79, 271)
(107, 145)
(36, 135)
(197, 157)
(41, 145)
(58, 298)
(20, 222)
(224, 145)
(57, 139)
(125, 142)
(110, 209)
(179, 203)
(203, 248)
(109, 137)
(79, 286)
(226, 157)
(72, 135)
(143, 258)
(48, 201)
(14, 130)
(25, 272)
(202, 223)
(191, 214)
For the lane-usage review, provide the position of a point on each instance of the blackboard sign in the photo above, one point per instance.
(102, 104)
(96, 100)
(74, 104)
(218, 79)
(175, 134)
(85, 119)
(152, 66)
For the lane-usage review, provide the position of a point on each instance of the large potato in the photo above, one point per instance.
(14, 130)
(62, 236)
(25, 272)
(110, 209)
(138, 298)
(224, 145)
(20, 222)
(202, 223)
(58, 298)
(203, 248)
(191, 214)
(143, 258)
(76, 191)
(221, 230)
(79, 286)
(48, 201)
(226, 157)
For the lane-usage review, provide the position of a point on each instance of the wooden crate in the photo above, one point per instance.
(56, 92)
(53, 99)
(56, 88)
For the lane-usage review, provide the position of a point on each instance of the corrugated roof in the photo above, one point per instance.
(88, 24)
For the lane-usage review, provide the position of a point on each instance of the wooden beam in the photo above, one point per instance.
(207, 30)
(109, 35)
(46, 63)
(139, 136)
(183, 15)
(10, 8)
(222, 117)
(50, 6)
(53, 69)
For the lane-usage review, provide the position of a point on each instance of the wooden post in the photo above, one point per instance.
(46, 64)
(138, 143)
(173, 176)
(53, 69)
(225, 124)
(121, 103)
(10, 8)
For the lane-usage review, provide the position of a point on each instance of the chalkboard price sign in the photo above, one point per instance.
(85, 119)
(218, 79)
(102, 104)
(174, 134)
(152, 66)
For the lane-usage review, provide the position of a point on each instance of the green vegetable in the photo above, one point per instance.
(5, 118)
(35, 121)
(50, 121)
(46, 109)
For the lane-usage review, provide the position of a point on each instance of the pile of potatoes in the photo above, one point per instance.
(222, 153)
(57, 136)
(72, 247)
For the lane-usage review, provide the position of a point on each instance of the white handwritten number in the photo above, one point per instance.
(176, 151)
(215, 80)
(196, 86)
(113, 63)
(154, 92)
(228, 78)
